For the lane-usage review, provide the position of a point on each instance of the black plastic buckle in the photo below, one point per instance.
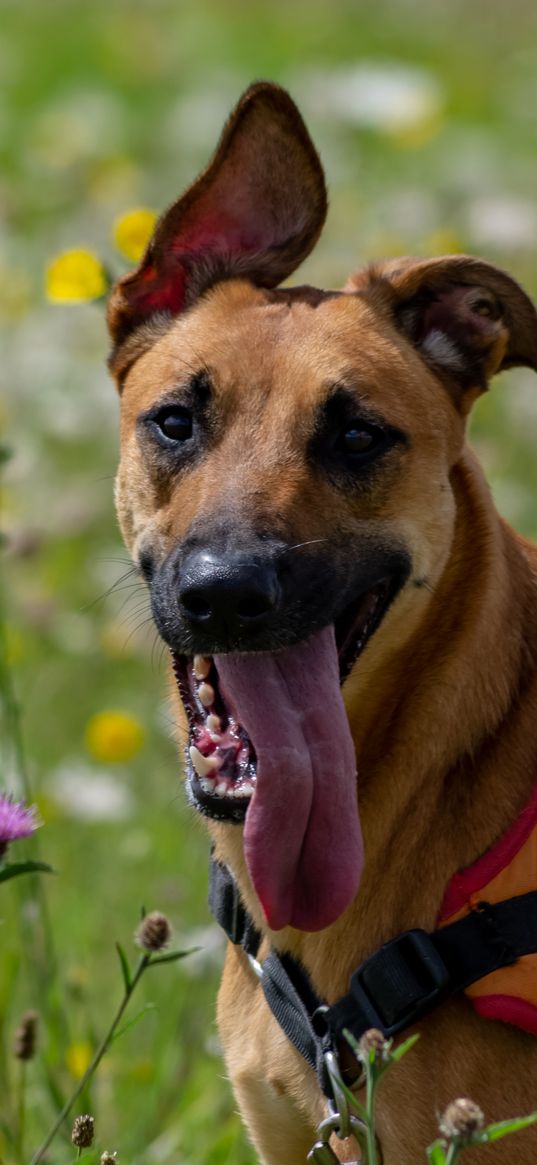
(402, 981)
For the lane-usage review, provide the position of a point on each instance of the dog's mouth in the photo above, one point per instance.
(221, 760)
(269, 745)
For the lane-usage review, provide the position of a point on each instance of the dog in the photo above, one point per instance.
(352, 626)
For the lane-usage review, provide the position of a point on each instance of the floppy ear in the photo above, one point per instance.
(466, 318)
(256, 211)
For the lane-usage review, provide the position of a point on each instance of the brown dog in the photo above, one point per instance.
(296, 489)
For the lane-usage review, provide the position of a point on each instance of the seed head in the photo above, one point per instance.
(25, 1036)
(83, 1131)
(373, 1041)
(108, 1158)
(154, 933)
(462, 1118)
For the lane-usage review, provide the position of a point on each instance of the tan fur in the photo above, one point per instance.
(443, 702)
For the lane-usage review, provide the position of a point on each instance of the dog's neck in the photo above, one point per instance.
(438, 777)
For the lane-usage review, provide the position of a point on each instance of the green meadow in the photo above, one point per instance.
(425, 114)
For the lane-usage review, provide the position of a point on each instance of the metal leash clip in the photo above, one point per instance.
(339, 1106)
(339, 1121)
(321, 1153)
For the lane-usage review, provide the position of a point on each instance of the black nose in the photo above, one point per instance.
(227, 593)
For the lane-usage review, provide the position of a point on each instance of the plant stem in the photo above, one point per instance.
(21, 1110)
(102, 1048)
(370, 1140)
(43, 955)
(452, 1154)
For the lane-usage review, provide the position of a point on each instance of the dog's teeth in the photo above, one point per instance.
(221, 789)
(207, 784)
(244, 790)
(206, 695)
(203, 764)
(214, 725)
(201, 667)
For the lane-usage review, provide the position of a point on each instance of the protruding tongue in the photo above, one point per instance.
(302, 836)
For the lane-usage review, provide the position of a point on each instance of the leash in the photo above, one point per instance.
(401, 982)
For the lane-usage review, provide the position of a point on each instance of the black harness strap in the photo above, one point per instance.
(226, 906)
(293, 1003)
(285, 984)
(397, 985)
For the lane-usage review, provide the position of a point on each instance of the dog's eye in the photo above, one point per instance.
(359, 440)
(175, 424)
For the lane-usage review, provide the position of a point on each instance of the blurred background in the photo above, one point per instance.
(425, 114)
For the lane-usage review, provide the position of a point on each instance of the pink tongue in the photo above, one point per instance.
(302, 836)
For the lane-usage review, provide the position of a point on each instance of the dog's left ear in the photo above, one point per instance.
(256, 211)
(467, 318)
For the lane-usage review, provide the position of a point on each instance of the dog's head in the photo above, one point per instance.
(285, 484)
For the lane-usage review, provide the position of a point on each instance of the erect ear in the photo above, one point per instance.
(256, 211)
(467, 318)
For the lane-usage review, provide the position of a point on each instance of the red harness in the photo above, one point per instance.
(506, 870)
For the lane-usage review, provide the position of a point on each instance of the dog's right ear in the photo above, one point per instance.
(466, 318)
(256, 211)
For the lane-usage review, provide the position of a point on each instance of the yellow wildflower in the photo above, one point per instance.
(132, 232)
(75, 277)
(77, 1058)
(114, 736)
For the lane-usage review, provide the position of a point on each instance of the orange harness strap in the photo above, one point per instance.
(505, 871)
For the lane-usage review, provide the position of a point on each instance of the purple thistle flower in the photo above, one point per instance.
(16, 820)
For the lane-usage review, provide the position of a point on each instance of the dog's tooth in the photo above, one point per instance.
(201, 667)
(244, 790)
(214, 724)
(203, 764)
(206, 695)
(221, 789)
(207, 784)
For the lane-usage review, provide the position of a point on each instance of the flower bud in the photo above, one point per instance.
(373, 1041)
(25, 1036)
(462, 1118)
(83, 1131)
(108, 1158)
(154, 932)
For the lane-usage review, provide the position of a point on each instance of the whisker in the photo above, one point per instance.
(299, 545)
(423, 583)
(100, 598)
(132, 614)
(108, 558)
(157, 653)
(137, 629)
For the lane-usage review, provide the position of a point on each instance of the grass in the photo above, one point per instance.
(112, 106)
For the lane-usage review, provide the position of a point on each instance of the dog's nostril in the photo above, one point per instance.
(252, 606)
(196, 604)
